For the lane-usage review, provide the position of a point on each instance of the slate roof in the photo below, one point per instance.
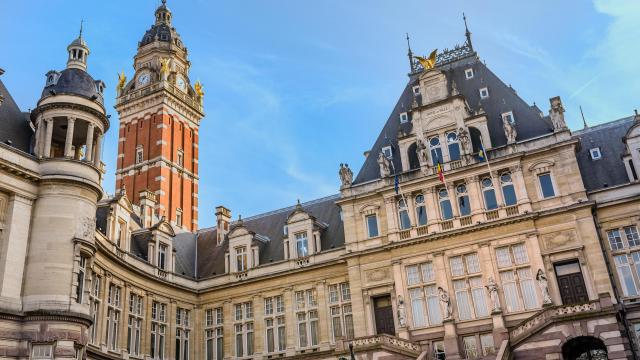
(14, 124)
(502, 98)
(74, 81)
(210, 257)
(609, 170)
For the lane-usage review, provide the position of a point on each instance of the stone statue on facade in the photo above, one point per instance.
(445, 302)
(402, 313)
(556, 113)
(385, 165)
(465, 141)
(492, 288)
(346, 175)
(544, 287)
(423, 153)
(454, 88)
(509, 130)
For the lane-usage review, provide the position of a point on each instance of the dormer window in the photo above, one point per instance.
(508, 116)
(404, 117)
(416, 90)
(387, 152)
(302, 244)
(468, 73)
(241, 259)
(162, 256)
(285, 230)
(52, 77)
(595, 153)
(484, 93)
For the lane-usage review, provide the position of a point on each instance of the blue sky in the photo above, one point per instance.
(293, 88)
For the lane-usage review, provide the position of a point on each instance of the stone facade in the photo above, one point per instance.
(476, 228)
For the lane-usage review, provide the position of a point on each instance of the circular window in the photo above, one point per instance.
(461, 189)
(420, 199)
(443, 193)
(505, 178)
(434, 141)
(486, 183)
(452, 137)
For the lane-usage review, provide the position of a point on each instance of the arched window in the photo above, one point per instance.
(403, 215)
(463, 200)
(412, 155)
(454, 146)
(476, 139)
(445, 205)
(489, 194)
(508, 191)
(436, 150)
(421, 210)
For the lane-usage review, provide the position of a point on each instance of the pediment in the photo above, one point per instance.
(369, 209)
(634, 131)
(165, 227)
(541, 166)
(123, 201)
(239, 231)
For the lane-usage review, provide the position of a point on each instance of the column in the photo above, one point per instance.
(89, 148)
(495, 179)
(259, 324)
(517, 178)
(47, 138)
(392, 218)
(36, 147)
(290, 321)
(14, 248)
(399, 288)
(68, 142)
(474, 195)
(431, 202)
(98, 150)
(450, 333)
(324, 338)
(451, 189)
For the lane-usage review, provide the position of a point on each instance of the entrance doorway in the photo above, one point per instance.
(584, 348)
(571, 283)
(383, 311)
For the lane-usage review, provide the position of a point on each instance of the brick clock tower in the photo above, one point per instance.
(160, 112)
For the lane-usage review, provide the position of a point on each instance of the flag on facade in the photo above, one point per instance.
(396, 184)
(440, 172)
(481, 155)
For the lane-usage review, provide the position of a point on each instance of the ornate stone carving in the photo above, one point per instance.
(445, 303)
(544, 287)
(492, 288)
(509, 130)
(378, 275)
(465, 141)
(385, 165)
(346, 175)
(559, 239)
(556, 113)
(402, 314)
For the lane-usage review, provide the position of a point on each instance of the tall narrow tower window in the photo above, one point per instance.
(179, 217)
(180, 158)
(139, 154)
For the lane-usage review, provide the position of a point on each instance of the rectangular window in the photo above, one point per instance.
(241, 259)
(470, 347)
(595, 153)
(178, 217)
(404, 117)
(615, 240)
(158, 330)
(139, 155)
(625, 275)
(82, 268)
(180, 158)
(425, 305)
(486, 341)
(244, 329)
(631, 232)
(42, 351)
(134, 327)
(214, 344)
(484, 93)
(416, 90)
(162, 256)
(341, 315)
(546, 186)
(438, 350)
(302, 244)
(387, 152)
(518, 285)
(372, 225)
(508, 116)
(468, 73)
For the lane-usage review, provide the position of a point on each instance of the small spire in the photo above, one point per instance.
(467, 33)
(410, 55)
(81, 24)
(584, 122)
(164, 2)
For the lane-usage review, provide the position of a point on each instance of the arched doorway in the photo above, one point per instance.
(584, 348)
(414, 163)
(475, 136)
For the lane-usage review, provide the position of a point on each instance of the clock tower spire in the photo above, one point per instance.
(160, 113)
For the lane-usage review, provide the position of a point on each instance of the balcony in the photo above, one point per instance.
(383, 343)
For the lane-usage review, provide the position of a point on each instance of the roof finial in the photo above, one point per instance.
(467, 33)
(584, 122)
(164, 2)
(410, 54)
(81, 24)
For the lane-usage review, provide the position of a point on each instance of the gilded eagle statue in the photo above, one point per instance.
(198, 87)
(430, 62)
(122, 81)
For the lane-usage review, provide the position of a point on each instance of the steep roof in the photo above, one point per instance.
(210, 258)
(14, 124)
(502, 98)
(609, 170)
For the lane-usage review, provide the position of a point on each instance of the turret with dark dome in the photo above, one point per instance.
(162, 30)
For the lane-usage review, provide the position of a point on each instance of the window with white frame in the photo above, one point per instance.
(307, 318)
(436, 151)
(468, 73)
(243, 328)
(484, 93)
(113, 316)
(453, 146)
(42, 351)
(627, 262)
(508, 117)
(183, 330)
(423, 294)
(94, 300)
(274, 321)
(438, 350)
(489, 194)
(139, 154)
(631, 237)
(546, 185)
(446, 211)
(158, 330)
(416, 90)
(516, 277)
(508, 190)
(468, 286)
(421, 210)
(386, 151)
(470, 347)
(241, 259)
(179, 217)
(134, 327)
(214, 341)
(463, 200)
(372, 225)
(162, 256)
(80, 279)
(404, 117)
(302, 244)
(595, 153)
(340, 311)
(403, 215)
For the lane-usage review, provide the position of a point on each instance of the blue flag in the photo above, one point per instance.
(481, 155)
(397, 184)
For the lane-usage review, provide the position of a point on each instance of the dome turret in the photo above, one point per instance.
(78, 53)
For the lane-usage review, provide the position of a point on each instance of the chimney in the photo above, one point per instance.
(148, 203)
(223, 218)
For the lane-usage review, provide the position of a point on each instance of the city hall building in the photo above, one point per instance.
(479, 227)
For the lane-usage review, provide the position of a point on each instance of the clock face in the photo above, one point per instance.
(182, 85)
(143, 79)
